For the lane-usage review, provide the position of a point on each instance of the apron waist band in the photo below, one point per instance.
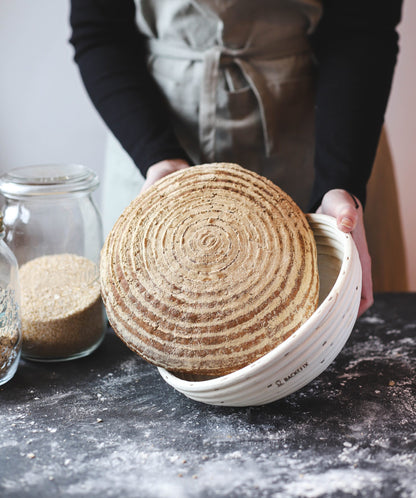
(282, 48)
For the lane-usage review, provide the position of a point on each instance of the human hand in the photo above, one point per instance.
(341, 205)
(161, 169)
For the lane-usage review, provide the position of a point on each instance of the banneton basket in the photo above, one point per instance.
(307, 352)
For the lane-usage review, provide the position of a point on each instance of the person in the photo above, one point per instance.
(293, 89)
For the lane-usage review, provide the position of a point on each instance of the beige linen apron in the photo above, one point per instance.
(238, 77)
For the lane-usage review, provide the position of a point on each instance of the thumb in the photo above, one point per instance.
(344, 207)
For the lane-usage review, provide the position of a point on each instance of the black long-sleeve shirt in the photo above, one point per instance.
(355, 45)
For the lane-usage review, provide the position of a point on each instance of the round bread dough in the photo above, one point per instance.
(208, 270)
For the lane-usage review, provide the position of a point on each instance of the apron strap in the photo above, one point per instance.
(208, 103)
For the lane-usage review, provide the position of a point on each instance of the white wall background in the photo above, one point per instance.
(45, 113)
(46, 116)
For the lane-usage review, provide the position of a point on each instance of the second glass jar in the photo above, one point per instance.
(54, 229)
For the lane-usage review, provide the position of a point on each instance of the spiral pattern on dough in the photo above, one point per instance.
(208, 270)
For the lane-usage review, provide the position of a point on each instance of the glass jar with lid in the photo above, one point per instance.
(54, 229)
(10, 324)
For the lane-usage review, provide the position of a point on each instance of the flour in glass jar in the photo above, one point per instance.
(62, 311)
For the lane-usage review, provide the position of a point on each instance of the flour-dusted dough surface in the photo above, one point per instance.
(208, 270)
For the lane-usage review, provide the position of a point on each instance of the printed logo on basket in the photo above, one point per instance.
(280, 382)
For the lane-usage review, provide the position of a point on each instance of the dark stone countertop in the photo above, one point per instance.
(108, 425)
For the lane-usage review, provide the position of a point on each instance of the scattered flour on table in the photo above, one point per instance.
(372, 320)
(335, 480)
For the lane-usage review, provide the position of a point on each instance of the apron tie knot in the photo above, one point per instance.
(217, 57)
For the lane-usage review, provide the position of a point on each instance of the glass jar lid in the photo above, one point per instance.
(48, 179)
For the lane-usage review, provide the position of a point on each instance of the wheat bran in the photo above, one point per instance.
(62, 313)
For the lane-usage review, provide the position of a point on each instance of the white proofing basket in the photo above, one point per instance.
(307, 352)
